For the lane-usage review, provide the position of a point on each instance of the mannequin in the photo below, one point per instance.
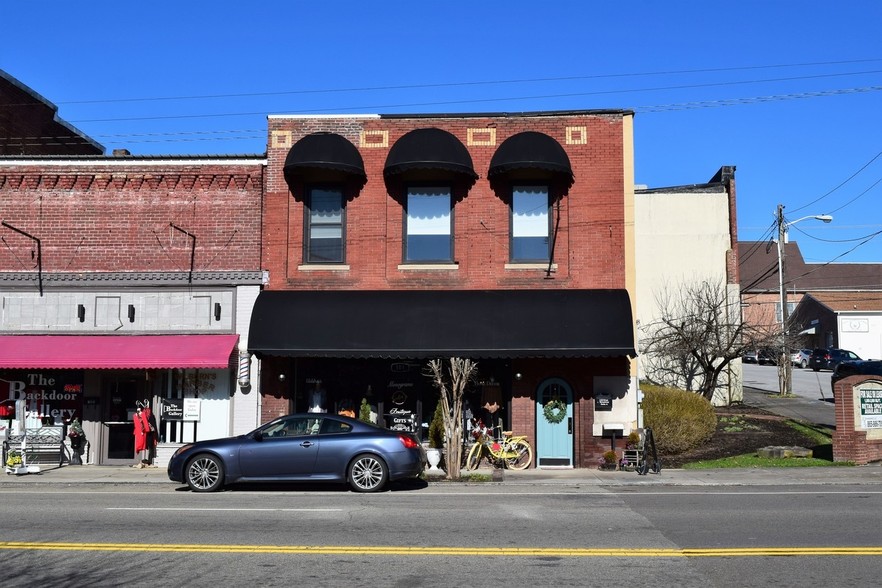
(317, 399)
(142, 433)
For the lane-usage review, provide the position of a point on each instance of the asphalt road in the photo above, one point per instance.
(806, 383)
(443, 536)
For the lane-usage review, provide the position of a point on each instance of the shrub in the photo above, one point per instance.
(364, 411)
(610, 457)
(680, 420)
(436, 427)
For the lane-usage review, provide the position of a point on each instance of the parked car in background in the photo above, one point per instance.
(800, 357)
(309, 447)
(828, 358)
(855, 368)
(763, 356)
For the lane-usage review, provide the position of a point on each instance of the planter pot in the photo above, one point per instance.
(434, 456)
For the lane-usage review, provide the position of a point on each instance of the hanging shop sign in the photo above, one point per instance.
(603, 401)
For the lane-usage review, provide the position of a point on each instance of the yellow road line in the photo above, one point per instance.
(449, 551)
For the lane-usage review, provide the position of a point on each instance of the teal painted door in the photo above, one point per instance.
(554, 435)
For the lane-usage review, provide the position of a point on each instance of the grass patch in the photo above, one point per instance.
(736, 424)
(820, 435)
(750, 460)
(822, 451)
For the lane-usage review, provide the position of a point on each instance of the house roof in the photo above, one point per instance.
(758, 261)
(849, 301)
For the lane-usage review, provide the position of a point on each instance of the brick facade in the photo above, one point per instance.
(590, 249)
(116, 218)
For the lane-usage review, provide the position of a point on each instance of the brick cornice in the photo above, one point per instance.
(30, 181)
(132, 279)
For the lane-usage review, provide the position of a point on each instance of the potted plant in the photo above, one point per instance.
(608, 461)
(436, 438)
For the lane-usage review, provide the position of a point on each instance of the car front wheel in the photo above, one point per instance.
(368, 473)
(204, 473)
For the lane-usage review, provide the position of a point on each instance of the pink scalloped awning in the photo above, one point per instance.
(116, 351)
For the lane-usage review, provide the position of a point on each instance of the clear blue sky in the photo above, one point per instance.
(199, 77)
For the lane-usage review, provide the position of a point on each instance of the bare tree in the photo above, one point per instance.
(451, 377)
(697, 335)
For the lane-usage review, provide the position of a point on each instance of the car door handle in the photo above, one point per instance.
(307, 444)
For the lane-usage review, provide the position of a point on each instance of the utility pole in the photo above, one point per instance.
(784, 384)
(785, 369)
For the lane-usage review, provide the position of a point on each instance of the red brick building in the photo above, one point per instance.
(390, 240)
(128, 280)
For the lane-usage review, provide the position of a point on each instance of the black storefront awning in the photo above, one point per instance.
(431, 149)
(530, 150)
(426, 324)
(323, 151)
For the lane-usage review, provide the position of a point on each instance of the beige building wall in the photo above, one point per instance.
(683, 237)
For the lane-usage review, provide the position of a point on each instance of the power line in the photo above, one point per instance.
(851, 177)
(473, 83)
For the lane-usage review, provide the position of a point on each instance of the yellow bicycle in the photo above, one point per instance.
(513, 452)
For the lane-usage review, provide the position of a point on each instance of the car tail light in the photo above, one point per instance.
(408, 442)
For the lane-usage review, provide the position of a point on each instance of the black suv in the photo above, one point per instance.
(829, 358)
(855, 368)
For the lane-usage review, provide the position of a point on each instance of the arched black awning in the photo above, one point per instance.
(323, 151)
(430, 149)
(530, 151)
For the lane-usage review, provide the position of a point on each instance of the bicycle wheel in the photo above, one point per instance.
(524, 456)
(474, 458)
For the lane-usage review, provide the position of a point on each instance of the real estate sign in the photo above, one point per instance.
(870, 405)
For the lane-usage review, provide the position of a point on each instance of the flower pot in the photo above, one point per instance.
(434, 456)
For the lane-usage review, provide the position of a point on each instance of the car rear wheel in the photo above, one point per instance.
(803, 364)
(368, 473)
(204, 473)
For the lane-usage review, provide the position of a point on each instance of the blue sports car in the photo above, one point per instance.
(310, 447)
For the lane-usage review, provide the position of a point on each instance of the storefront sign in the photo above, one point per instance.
(50, 397)
(181, 409)
(871, 408)
(192, 409)
(172, 409)
(603, 402)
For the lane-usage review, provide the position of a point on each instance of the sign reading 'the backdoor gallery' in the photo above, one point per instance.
(50, 396)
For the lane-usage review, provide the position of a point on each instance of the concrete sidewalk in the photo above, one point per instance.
(863, 475)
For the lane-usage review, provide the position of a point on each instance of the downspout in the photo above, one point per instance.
(192, 249)
(548, 272)
(39, 254)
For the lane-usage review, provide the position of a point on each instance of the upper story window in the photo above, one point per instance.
(530, 224)
(428, 225)
(325, 226)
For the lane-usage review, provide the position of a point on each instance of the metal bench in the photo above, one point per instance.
(43, 445)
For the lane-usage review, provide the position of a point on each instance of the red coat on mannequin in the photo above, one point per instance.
(142, 429)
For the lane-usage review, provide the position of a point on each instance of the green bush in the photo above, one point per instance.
(680, 420)
(436, 427)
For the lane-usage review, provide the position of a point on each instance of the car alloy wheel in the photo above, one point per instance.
(367, 473)
(205, 473)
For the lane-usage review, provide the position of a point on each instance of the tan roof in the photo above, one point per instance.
(845, 301)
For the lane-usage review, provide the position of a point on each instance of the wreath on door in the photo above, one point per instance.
(555, 411)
